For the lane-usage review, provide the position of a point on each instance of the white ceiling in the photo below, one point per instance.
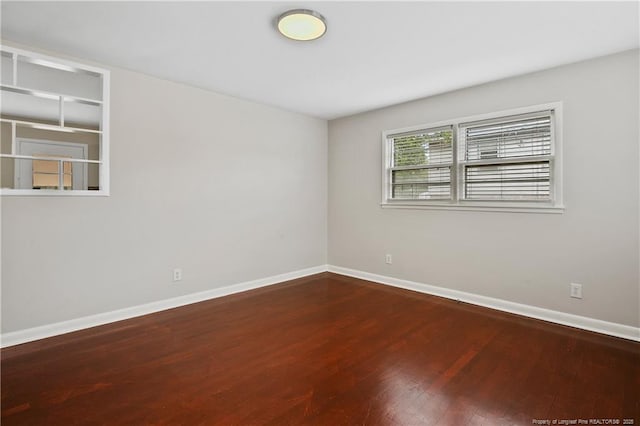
(374, 53)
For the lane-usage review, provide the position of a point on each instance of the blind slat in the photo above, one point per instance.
(516, 138)
(425, 150)
(421, 184)
(508, 158)
(512, 138)
(508, 181)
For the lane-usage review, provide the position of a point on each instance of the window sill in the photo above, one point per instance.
(52, 193)
(476, 206)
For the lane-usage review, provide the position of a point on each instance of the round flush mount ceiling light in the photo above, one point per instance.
(302, 24)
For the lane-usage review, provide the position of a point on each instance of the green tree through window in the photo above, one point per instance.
(422, 163)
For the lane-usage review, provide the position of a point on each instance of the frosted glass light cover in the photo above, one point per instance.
(303, 25)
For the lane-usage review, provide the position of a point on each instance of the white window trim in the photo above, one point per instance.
(554, 206)
(104, 154)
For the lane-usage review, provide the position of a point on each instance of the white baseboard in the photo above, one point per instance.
(585, 323)
(591, 324)
(36, 333)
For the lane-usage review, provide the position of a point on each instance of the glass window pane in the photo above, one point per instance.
(82, 115)
(75, 83)
(5, 137)
(93, 175)
(525, 181)
(424, 148)
(7, 167)
(90, 140)
(27, 107)
(521, 138)
(7, 68)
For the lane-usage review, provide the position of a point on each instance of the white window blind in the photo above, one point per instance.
(421, 164)
(508, 158)
(503, 161)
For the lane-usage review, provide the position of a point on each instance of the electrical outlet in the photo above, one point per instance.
(576, 290)
(388, 259)
(177, 274)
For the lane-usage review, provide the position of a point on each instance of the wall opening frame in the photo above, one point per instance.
(49, 98)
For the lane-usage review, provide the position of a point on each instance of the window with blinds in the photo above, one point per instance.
(507, 159)
(503, 161)
(421, 164)
(46, 173)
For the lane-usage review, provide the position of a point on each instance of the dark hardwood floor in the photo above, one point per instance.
(322, 350)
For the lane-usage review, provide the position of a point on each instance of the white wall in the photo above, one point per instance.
(226, 189)
(232, 191)
(519, 257)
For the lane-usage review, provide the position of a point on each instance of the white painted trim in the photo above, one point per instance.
(104, 170)
(585, 323)
(510, 208)
(49, 330)
(66, 65)
(457, 202)
(52, 193)
(69, 65)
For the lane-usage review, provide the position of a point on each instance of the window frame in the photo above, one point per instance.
(457, 202)
(451, 166)
(104, 131)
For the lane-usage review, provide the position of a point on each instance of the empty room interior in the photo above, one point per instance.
(320, 213)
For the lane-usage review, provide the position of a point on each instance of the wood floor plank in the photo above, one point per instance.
(322, 350)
